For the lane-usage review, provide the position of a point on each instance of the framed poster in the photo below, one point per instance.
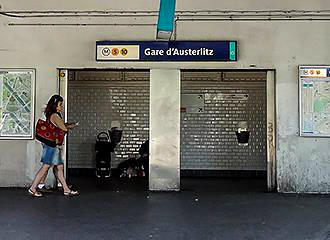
(314, 101)
(17, 100)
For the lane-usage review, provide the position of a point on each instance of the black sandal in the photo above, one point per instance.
(71, 193)
(35, 193)
(44, 189)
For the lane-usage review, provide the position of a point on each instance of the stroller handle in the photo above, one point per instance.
(102, 133)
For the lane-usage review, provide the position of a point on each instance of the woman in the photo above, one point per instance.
(51, 156)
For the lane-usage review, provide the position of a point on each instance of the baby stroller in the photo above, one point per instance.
(105, 145)
(103, 148)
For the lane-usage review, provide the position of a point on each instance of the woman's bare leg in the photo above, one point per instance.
(56, 178)
(40, 174)
(60, 176)
(43, 179)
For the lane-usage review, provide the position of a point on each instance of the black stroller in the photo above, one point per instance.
(105, 145)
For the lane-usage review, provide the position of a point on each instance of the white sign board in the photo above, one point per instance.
(226, 96)
(314, 97)
(192, 103)
(17, 88)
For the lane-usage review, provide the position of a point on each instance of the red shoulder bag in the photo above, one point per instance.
(48, 133)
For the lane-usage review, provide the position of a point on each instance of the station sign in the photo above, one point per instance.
(314, 101)
(183, 51)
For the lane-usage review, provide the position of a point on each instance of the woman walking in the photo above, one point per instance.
(51, 156)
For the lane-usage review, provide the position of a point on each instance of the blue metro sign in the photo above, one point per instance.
(181, 51)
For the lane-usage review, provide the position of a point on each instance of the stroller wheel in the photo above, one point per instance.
(96, 174)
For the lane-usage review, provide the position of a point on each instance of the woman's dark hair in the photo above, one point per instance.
(52, 105)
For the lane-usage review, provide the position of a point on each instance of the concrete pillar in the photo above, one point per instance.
(271, 132)
(164, 159)
(63, 91)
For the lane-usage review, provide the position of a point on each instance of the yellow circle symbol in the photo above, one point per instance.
(115, 51)
(124, 51)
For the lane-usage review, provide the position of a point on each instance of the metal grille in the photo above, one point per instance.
(97, 102)
(201, 76)
(244, 76)
(208, 139)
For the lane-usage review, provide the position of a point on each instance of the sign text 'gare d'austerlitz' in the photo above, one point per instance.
(223, 51)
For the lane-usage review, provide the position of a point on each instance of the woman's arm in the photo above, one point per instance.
(58, 122)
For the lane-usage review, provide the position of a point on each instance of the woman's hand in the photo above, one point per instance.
(70, 125)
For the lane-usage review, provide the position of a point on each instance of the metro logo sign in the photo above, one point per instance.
(118, 52)
(314, 72)
(185, 51)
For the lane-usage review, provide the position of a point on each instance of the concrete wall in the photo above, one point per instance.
(303, 164)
